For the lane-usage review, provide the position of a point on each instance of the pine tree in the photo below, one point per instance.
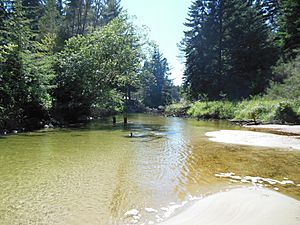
(110, 10)
(227, 48)
(25, 69)
(289, 27)
(33, 11)
(77, 12)
(15, 39)
(250, 52)
(104, 11)
(156, 84)
(50, 22)
(195, 73)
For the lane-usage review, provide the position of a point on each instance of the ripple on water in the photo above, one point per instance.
(95, 175)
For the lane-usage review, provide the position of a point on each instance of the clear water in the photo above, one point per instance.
(95, 173)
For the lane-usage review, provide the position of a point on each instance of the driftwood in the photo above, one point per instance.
(246, 122)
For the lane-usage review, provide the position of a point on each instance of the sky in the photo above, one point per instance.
(165, 19)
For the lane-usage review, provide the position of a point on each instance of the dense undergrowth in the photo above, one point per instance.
(256, 109)
(280, 103)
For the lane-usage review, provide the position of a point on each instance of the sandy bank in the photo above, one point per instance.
(254, 139)
(281, 129)
(241, 206)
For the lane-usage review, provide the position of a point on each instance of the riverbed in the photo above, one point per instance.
(97, 174)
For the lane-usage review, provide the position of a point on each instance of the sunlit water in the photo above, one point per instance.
(96, 173)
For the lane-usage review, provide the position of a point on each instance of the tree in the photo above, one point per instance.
(77, 12)
(157, 87)
(95, 68)
(289, 27)
(228, 50)
(25, 71)
(50, 21)
(111, 10)
(33, 11)
(105, 11)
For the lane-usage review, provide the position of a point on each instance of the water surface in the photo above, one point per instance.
(95, 173)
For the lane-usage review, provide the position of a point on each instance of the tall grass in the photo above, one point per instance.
(212, 110)
(258, 109)
(268, 111)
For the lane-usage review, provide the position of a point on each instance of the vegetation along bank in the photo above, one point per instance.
(67, 61)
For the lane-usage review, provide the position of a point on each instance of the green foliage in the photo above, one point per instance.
(227, 48)
(285, 112)
(91, 66)
(110, 102)
(288, 30)
(49, 23)
(289, 74)
(77, 58)
(25, 70)
(265, 110)
(178, 109)
(212, 110)
(157, 88)
(257, 109)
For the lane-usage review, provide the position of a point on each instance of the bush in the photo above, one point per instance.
(177, 109)
(284, 112)
(265, 110)
(289, 75)
(257, 109)
(212, 110)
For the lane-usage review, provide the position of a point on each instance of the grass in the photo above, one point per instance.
(258, 109)
(178, 109)
(212, 110)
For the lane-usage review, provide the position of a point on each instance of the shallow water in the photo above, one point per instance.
(96, 173)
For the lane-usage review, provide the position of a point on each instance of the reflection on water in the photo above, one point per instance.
(96, 173)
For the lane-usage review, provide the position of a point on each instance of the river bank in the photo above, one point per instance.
(254, 111)
(276, 128)
(252, 138)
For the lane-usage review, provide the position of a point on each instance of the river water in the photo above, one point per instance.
(95, 173)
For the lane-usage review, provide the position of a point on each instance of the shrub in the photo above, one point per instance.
(212, 110)
(284, 112)
(177, 109)
(265, 110)
(289, 75)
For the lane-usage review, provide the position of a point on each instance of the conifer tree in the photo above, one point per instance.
(110, 10)
(25, 69)
(289, 27)
(157, 85)
(227, 48)
(104, 11)
(50, 22)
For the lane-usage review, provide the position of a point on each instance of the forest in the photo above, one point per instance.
(242, 61)
(68, 61)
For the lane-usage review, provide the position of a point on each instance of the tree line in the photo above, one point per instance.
(63, 61)
(231, 47)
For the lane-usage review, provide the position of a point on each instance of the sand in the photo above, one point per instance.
(242, 206)
(255, 139)
(282, 129)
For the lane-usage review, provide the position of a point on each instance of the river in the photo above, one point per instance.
(95, 173)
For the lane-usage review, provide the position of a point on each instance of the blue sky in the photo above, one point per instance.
(165, 19)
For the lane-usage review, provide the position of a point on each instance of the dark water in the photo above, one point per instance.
(96, 173)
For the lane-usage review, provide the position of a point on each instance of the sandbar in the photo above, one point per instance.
(255, 139)
(241, 206)
(277, 128)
